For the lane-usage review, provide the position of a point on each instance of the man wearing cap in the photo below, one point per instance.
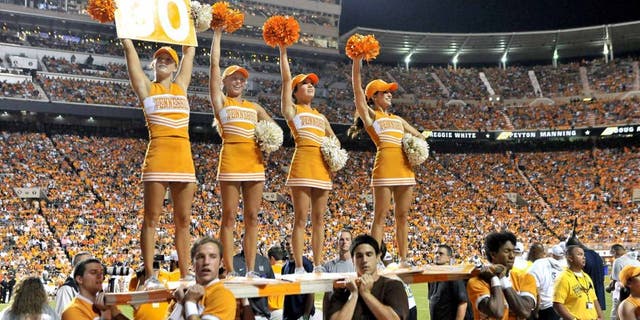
(240, 166)
(629, 308)
(546, 271)
(447, 299)
(574, 295)
(168, 162)
(370, 296)
(392, 174)
(622, 259)
(520, 263)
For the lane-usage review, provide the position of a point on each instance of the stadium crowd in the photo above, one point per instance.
(94, 200)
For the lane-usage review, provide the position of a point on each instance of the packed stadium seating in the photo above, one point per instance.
(93, 189)
(94, 198)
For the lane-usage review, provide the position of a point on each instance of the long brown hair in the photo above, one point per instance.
(356, 128)
(29, 299)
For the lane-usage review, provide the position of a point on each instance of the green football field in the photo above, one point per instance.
(419, 291)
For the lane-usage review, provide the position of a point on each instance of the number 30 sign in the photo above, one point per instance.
(165, 21)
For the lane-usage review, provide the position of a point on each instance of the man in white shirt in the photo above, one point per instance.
(545, 271)
(622, 259)
(69, 289)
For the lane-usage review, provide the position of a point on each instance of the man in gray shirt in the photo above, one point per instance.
(342, 263)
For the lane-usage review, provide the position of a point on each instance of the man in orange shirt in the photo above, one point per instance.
(208, 298)
(89, 275)
(499, 291)
(276, 303)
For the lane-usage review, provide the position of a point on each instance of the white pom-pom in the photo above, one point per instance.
(269, 136)
(416, 149)
(335, 157)
(201, 14)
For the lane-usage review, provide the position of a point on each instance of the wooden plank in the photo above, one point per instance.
(242, 287)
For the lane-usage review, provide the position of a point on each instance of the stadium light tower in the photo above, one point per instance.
(407, 60)
(455, 61)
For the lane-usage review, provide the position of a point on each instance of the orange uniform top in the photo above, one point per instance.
(80, 308)
(167, 111)
(523, 283)
(307, 126)
(218, 302)
(391, 167)
(237, 121)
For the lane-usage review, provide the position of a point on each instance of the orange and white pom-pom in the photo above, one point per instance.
(281, 31)
(102, 10)
(224, 17)
(366, 47)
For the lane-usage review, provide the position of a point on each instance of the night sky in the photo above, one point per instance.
(471, 16)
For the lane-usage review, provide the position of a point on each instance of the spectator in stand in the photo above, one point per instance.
(168, 161)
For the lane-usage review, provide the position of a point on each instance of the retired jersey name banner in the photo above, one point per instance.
(164, 21)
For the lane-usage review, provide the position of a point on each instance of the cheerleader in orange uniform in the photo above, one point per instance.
(392, 173)
(309, 177)
(240, 170)
(168, 162)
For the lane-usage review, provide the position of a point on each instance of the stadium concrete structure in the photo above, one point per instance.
(22, 63)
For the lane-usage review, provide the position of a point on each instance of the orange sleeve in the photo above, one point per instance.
(220, 303)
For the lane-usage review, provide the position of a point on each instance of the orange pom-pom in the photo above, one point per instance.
(281, 30)
(235, 19)
(224, 17)
(366, 47)
(219, 13)
(102, 10)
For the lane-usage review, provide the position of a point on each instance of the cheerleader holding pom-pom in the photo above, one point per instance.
(309, 174)
(241, 167)
(392, 171)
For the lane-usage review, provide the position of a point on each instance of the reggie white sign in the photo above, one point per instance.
(165, 21)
